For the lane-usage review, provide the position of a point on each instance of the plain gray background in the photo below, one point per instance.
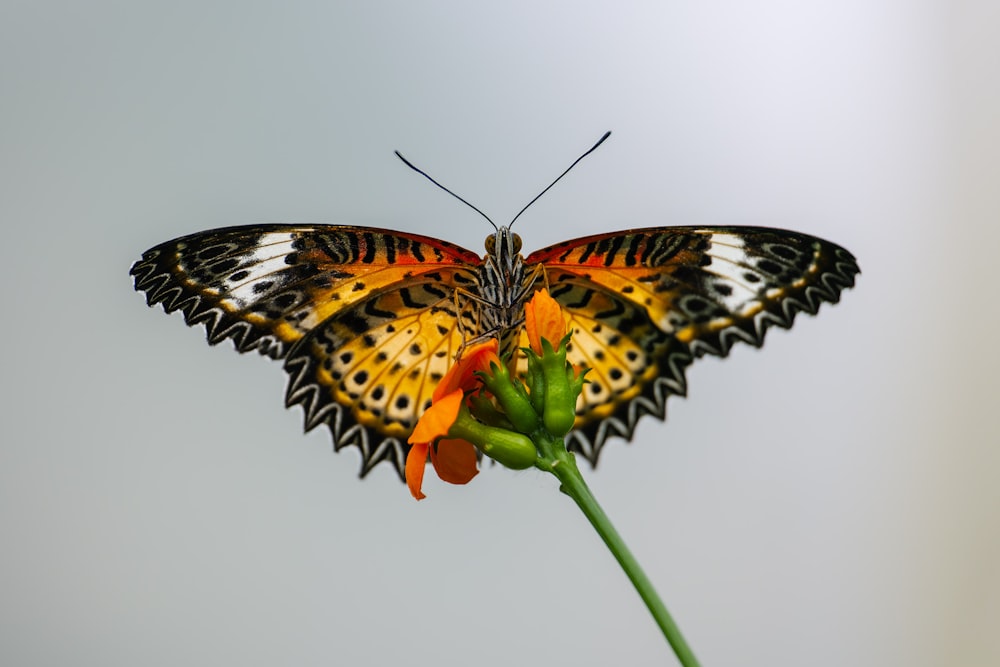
(829, 500)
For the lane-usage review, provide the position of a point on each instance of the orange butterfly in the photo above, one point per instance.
(368, 320)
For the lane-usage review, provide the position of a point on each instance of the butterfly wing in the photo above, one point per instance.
(644, 303)
(369, 370)
(344, 306)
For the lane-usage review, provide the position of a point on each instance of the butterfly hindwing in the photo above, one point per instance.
(702, 289)
(633, 365)
(369, 370)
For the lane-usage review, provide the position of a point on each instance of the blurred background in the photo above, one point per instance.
(831, 499)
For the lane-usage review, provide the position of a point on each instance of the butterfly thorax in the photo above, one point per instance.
(503, 286)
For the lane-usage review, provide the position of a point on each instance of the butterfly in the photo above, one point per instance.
(367, 321)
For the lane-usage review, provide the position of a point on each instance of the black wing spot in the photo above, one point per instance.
(783, 251)
(354, 322)
(286, 300)
(212, 252)
(695, 305)
(225, 266)
(767, 266)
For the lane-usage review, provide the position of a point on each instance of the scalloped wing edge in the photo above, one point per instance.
(155, 281)
(345, 432)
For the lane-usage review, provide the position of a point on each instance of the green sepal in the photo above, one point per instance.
(485, 411)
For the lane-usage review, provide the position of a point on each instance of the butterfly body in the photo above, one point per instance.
(502, 288)
(368, 320)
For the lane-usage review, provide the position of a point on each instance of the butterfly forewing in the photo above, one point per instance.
(267, 286)
(708, 286)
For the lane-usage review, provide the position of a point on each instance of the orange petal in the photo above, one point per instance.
(531, 327)
(437, 419)
(454, 460)
(543, 318)
(462, 373)
(416, 462)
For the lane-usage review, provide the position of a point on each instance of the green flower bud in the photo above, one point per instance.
(513, 450)
(512, 398)
(510, 449)
(559, 412)
(536, 381)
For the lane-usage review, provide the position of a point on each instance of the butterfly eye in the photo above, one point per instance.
(491, 245)
(517, 243)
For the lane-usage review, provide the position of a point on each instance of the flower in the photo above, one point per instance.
(543, 320)
(453, 459)
(478, 405)
(555, 384)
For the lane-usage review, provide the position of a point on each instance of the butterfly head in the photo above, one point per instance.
(504, 246)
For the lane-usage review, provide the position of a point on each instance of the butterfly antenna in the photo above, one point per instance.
(428, 177)
(591, 150)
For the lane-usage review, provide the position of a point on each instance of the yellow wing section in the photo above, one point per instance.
(369, 370)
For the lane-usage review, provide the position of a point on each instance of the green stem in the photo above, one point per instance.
(572, 484)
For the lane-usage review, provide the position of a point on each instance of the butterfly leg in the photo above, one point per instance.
(472, 304)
